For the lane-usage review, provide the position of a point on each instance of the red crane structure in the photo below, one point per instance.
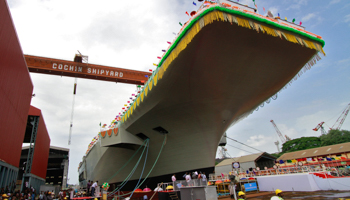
(337, 124)
(320, 126)
(341, 118)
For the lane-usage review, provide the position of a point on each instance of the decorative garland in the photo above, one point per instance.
(250, 20)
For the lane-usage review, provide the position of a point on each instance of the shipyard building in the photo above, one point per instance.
(21, 124)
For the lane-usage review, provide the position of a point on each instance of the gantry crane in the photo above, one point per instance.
(59, 67)
(80, 68)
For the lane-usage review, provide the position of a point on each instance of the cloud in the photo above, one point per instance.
(297, 4)
(334, 2)
(347, 18)
(308, 17)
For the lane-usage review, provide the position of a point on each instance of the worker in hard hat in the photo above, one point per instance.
(5, 197)
(241, 195)
(279, 194)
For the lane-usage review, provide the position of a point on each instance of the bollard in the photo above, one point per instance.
(104, 195)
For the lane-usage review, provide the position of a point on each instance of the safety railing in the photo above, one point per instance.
(345, 171)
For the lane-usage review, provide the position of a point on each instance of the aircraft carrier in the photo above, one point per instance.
(224, 63)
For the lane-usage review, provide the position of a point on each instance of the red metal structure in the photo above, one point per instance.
(15, 90)
(52, 66)
(42, 145)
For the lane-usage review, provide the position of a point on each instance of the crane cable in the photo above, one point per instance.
(71, 116)
(243, 144)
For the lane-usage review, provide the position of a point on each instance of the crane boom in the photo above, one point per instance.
(283, 140)
(84, 70)
(320, 126)
(341, 118)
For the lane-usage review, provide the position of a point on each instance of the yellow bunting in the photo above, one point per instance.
(138, 101)
(243, 23)
(128, 113)
(150, 85)
(146, 91)
(131, 109)
(155, 79)
(134, 105)
(142, 94)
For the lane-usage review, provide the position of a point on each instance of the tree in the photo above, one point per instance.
(335, 137)
(301, 144)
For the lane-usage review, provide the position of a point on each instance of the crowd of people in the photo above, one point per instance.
(31, 194)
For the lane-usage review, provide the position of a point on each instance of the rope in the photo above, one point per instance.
(131, 173)
(164, 141)
(144, 164)
(126, 162)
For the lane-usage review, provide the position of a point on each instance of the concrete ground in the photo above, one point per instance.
(317, 195)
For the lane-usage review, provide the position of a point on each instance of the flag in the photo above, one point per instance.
(281, 162)
(309, 159)
(159, 57)
(164, 50)
(146, 76)
(187, 13)
(150, 70)
(155, 64)
(294, 161)
(256, 6)
(174, 33)
(337, 158)
(254, 2)
(285, 18)
(300, 23)
(194, 3)
(180, 23)
(264, 9)
(293, 20)
(329, 159)
(278, 14)
(289, 161)
(169, 42)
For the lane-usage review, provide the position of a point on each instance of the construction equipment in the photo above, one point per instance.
(283, 139)
(278, 148)
(341, 118)
(337, 124)
(52, 66)
(320, 126)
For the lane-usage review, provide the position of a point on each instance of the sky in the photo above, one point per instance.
(131, 34)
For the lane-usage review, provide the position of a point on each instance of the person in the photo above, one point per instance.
(204, 178)
(93, 188)
(5, 197)
(45, 196)
(279, 194)
(241, 195)
(48, 196)
(88, 186)
(195, 175)
(173, 179)
(188, 179)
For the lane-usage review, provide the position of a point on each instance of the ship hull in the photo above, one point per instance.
(224, 73)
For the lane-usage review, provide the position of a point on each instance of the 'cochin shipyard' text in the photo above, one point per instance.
(89, 70)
